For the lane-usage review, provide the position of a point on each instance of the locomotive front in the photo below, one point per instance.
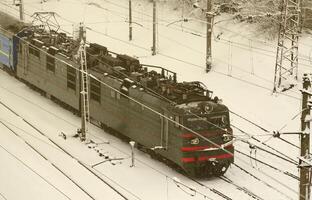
(207, 140)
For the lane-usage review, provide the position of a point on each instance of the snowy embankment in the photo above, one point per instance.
(242, 76)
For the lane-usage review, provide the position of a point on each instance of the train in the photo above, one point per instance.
(181, 123)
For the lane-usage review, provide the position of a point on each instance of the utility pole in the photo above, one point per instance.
(21, 10)
(84, 97)
(209, 16)
(302, 14)
(20, 3)
(130, 20)
(304, 168)
(154, 28)
(286, 65)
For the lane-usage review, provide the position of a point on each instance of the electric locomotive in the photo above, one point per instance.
(181, 122)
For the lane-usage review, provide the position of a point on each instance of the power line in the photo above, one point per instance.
(121, 15)
(141, 105)
(202, 21)
(204, 138)
(46, 159)
(124, 152)
(58, 148)
(3, 196)
(190, 63)
(31, 169)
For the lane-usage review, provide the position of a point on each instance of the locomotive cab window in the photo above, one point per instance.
(50, 63)
(95, 90)
(206, 122)
(71, 78)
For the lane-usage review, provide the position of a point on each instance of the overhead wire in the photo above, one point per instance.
(263, 143)
(204, 138)
(46, 159)
(203, 21)
(101, 139)
(136, 102)
(57, 148)
(3, 196)
(195, 64)
(243, 45)
(32, 170)
(198, 52)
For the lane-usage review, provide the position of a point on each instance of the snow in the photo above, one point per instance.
(242, 76)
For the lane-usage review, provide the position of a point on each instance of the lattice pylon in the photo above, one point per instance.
(85, 113)
(286, 67)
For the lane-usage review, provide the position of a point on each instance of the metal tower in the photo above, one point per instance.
(286, 67)
(84, 98)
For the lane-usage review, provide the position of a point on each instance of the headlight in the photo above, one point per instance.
(195, 141)
(226, 137)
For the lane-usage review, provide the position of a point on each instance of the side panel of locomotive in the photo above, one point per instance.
(107, 106)
(50, 75)
(132, 119)
(37, 67)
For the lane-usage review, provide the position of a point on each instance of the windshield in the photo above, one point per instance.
(206, 122)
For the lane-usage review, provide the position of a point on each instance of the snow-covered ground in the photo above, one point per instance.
(242, 76)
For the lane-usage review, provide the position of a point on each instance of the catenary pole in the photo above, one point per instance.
(130, 20)
(304, 168)
(209, 16)
(154, 28)
(21, 10)
(84, 95)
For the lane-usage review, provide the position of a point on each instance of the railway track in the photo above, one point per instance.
(215, 191)
(231, 182)
(270, 166)
(260, 180)
(245, 190)
(90, 169)
(281, 154)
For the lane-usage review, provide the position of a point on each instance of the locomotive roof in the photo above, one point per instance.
(10, 23)
(157, 80)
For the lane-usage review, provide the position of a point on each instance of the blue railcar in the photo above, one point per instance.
(6, 50)
(9, 41)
